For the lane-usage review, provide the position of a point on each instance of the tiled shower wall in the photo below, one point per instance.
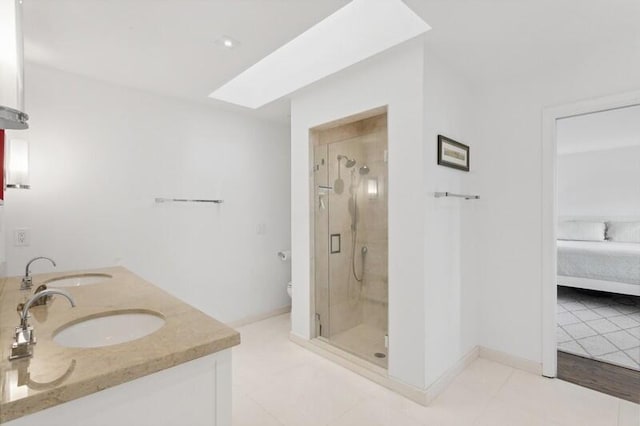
(341, 301)
(373, 228)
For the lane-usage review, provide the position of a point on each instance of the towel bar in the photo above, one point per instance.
(186, 200)
(451, 194)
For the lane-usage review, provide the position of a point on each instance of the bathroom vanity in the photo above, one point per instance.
(128, 353)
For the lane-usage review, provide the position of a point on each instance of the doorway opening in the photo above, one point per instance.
(591, 238)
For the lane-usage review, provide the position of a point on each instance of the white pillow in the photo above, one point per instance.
(581, 230)
(624, 232)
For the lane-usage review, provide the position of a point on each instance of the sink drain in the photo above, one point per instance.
(380, 355)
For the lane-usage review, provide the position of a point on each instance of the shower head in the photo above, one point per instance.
(350, 163)
(364, 170)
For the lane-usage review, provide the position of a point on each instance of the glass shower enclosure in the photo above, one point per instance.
(350, 235)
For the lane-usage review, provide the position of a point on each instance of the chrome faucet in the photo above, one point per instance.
(26, 280)
(22, 347)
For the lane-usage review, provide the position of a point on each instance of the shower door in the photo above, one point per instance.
(350, 238)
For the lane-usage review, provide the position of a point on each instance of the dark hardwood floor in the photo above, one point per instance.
(621, 382)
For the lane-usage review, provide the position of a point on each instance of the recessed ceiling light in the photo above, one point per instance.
(227, 42)
(358, 31)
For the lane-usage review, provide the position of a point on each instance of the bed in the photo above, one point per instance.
(600, 265)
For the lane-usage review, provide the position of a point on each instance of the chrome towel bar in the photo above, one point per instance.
(451, 194)
(186, 200)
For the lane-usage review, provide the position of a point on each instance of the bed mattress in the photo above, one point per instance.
(607, 261)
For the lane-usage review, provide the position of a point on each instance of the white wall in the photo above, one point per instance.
(450, 108)
(599, 183)
(509, 166)
(394, 79)
(602, 130)
(101, 153)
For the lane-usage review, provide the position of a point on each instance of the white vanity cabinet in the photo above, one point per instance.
(196, 393)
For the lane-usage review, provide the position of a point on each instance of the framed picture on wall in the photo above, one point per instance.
(453, 154)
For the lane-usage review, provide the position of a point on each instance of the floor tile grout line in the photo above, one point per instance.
(494, 395)
(613, 343)
(624, 354)
(585, 349)
(595, 331)
(277, 418)
(613, 352)
(571, 338)
(632, 359)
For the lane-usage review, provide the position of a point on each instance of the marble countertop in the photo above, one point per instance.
(57, 374)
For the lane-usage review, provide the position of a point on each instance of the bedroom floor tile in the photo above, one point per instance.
(634, 354)
(635, 331)
(566, 318)
(607, 312)
(580, 330)
(619, 358)
(622, 339)
(623, 321)
(562, 335)
(573, 347)
(603, 326)
(559, 308)
(615, 339)
(597, 345)
(586, 315)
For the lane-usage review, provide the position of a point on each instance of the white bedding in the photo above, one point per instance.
(606, 260)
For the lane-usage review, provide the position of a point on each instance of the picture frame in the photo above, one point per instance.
(453, 154)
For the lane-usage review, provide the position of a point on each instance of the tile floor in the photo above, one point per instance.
(278, 383)
(365, 341)
(599, 325)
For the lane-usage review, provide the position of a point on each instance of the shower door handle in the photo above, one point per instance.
(334, 243)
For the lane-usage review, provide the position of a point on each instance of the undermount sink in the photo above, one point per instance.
(108, 329)
(77, 280)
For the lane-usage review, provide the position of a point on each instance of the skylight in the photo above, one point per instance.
(356, 32)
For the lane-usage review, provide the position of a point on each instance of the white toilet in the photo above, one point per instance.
(289, 289)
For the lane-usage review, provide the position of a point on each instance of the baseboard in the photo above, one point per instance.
(260, 317)
(511, 360)
(420, 396)
(445, 379)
